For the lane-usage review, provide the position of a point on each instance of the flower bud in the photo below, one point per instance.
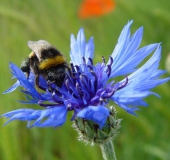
(90, 132)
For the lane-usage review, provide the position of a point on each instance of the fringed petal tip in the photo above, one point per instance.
(12, 88)
(132, 111)
(79, 48)
(41, 118)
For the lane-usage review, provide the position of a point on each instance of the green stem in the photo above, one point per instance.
(108, 151)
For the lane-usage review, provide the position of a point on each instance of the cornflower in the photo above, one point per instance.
(88, 88)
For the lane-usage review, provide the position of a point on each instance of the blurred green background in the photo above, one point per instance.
(143, 137)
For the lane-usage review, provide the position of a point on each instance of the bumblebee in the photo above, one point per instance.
(46, 61)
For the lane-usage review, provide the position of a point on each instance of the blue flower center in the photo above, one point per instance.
(86, 85)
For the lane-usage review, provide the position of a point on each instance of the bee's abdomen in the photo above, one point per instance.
(55, 74)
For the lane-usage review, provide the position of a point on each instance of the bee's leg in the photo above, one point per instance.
(37, 86)
(42, 88)
(37, 82)
(50, 88)
(70, 71)
(28, 74)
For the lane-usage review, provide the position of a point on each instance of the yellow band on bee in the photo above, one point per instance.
(50, 62)
(31, 54)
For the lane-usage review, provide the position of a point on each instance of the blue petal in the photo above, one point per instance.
(129, 64)
(140, 82)
(51, 117)
(77, 52)
(148, 70)
(24, 81)
(81, 42)
(128, 109)
(126, 55)
(80, 49)
(12, 88)
(122, 42)
(98, 114)
(89, 49)
(42, 81)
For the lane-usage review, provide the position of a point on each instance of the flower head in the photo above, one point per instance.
(88, 88)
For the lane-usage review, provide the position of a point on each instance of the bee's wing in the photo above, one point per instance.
(38, 46)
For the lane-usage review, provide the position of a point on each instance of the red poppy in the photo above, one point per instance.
(90, 8)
